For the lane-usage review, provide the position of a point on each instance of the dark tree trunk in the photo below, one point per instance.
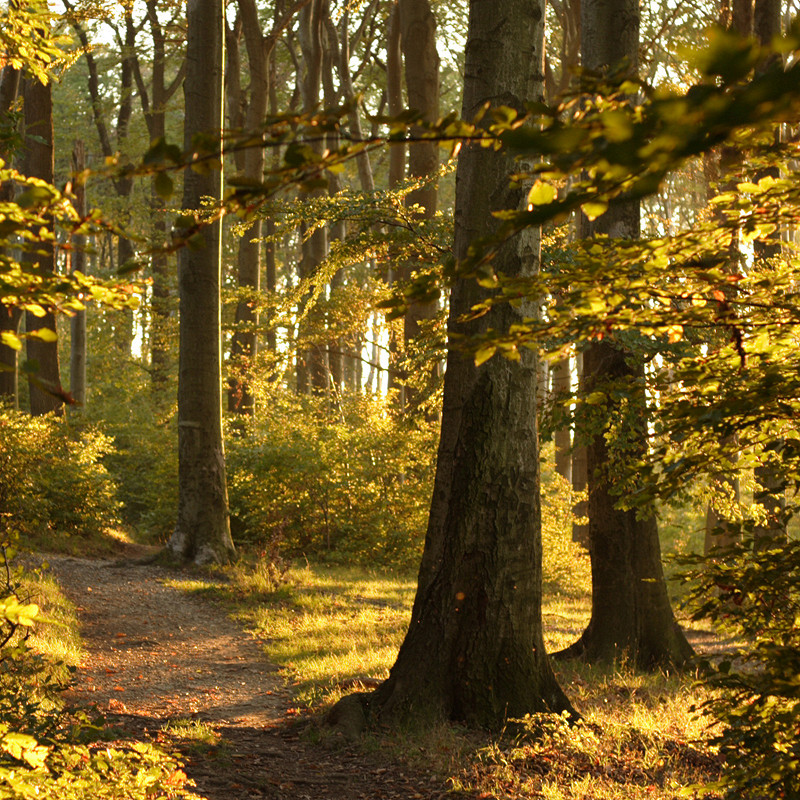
(77, 342)
(474, 650)
(10, 316)
(202, 531)
(37, 162)
(631, 613)
(421, 59)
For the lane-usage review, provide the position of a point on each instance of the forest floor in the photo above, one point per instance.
(165, 666)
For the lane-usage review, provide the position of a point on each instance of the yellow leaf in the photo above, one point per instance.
(484, 354)
(595, 209)
(541, 194)
(11, 340)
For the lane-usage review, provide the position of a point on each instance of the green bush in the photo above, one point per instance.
(353, 484)
(754, 596)
(565, 564)
(52, 477)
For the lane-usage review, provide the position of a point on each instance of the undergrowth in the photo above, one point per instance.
(48, 749)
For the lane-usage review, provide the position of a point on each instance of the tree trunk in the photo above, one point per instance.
(631, 613)
(418, 40)
(10, 316)
(202, 531)
(474, 650)
(77, 352)
(312, 370)
(45, 383)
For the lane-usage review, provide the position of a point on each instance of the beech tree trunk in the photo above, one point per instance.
(38, 162)
(77, 340)
(474, 650)
(202, 531)
(631, 613)
(10, 316)
(421, 60)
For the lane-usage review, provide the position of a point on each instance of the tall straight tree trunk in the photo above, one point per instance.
(474, 649)
(421, 59)
(10, 316)
(312, 371)
(38, 162)
(631, 613)
(202, 531)
(77, 340)
(397, 171)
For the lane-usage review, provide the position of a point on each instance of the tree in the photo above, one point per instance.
(37, 162)
(474, 649)
(631, 613)
(202, 531)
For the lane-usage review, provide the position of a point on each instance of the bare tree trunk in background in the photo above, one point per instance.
(312, 370)
(202, 531)
(37, 162)
(421, 59)
(123, 184)
(154, 102)
(631, 613)
(78, 262)
(10, 316)
(397, 171)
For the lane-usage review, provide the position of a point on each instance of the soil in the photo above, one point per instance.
(156, 655)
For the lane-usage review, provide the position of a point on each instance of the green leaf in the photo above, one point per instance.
(163, 185)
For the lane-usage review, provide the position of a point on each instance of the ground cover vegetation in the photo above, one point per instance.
(329, 262)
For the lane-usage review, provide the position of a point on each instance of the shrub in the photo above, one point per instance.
(52, 477)
(353, 485)
(754, 596)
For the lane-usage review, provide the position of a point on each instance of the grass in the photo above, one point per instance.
(327, 627)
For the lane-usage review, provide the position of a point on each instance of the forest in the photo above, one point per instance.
(460, 333)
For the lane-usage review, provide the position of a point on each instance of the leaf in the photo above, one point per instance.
(10, 339)
(594, 209)
(542, 194)
(45, 334)
(484, 354)
(163, 185)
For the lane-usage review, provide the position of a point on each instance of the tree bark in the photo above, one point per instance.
(631, 613)
(474, 650)
(38, 162)
(421, 59)
(77, 341)
(10, 316)
(202, 531)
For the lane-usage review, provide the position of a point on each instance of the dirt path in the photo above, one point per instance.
(156, 655)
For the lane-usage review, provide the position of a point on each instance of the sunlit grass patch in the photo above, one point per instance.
(57, 637)
(326, 626)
